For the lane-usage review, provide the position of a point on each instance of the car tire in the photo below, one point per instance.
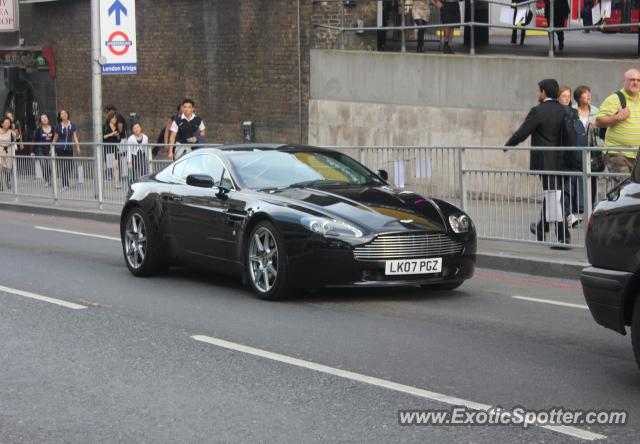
(266, 265)
(445, 286)
(139, 245)
(635, 331)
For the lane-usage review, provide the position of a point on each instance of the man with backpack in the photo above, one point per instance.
(544, 124)
(620, 115)
(187, 128)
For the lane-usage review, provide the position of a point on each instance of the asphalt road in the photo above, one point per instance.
(332, 366)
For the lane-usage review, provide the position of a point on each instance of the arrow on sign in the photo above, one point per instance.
(117, 8)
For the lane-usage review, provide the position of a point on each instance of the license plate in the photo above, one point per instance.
(413, 266)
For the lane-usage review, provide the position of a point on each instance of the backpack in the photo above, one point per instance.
(623, 104)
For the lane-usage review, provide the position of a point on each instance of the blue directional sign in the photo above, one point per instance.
(118, 36)
(117, 8)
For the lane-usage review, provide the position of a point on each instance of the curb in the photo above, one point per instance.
(100, 216)
(533, 266)
(503, 262)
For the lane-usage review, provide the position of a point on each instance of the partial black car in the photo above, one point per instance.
(287, 218)
(612, 283)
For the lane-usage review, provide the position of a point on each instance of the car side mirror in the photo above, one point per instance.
(223, 193)
(383, 174)
(200, 180)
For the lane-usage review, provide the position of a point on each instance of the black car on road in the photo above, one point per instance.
(612, 283)
(289, 217)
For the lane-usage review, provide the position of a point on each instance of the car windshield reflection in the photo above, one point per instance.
(263, 169)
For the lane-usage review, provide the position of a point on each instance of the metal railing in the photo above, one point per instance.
(472, 24)
(502, 199)
(63, 175)
(488, 183)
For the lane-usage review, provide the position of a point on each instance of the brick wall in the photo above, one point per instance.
(238, 59)
(334, 13)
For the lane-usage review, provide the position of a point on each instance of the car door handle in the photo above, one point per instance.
(176, 198)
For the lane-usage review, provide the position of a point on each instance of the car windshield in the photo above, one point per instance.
(268, 169)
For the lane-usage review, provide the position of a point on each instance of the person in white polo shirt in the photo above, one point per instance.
(187, 128)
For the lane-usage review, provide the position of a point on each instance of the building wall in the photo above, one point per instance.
(507, 83)
(238, 59)
(433, 99)
(438, 100)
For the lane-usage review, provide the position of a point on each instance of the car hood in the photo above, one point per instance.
(380, 209)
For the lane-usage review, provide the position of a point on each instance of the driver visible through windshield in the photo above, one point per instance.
(268, 169)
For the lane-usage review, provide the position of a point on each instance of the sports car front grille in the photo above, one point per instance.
(401, 246)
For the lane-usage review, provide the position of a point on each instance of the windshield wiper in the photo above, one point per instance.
(614, 193)
(313, 183)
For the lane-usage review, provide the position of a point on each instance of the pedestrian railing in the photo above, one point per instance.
(65, 176)
(495, 186)
(492, 184)
(604, 24)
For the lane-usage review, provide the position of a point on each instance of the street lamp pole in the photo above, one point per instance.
(96, 93)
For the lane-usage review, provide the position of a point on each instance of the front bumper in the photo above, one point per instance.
(605, 292)
(321, 265)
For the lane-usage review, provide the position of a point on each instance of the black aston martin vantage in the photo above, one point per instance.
(287, 218)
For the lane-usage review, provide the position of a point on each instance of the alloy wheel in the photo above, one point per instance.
(135, 241)
(263, 260)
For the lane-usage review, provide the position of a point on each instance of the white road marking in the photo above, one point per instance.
(39, 297)
(390, 385)
(77, 233)
(548, 301)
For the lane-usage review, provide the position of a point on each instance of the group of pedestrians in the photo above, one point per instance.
(450, 15)
(125, 153)
(62, 140)
(125, 149)
(557, 122)
(561, 11)
(64, 137)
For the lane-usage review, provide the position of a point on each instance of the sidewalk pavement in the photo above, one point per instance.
(518, 257)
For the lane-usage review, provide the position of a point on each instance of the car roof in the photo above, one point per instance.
(226, 150)
(271, 147)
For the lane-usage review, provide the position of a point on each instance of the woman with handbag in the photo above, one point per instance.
(587, 114)
(112, 135)
(64, 139)
(7, 151)
(44, 137)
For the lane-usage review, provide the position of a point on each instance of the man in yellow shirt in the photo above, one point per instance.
(623, 125)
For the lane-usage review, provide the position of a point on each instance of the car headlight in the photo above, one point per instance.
(460, 223)
(331, 227)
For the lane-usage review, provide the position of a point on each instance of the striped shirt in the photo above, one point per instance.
(626, 133)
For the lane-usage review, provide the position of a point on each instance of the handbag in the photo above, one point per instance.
(597, 158)
(597, 161)
(553, 206)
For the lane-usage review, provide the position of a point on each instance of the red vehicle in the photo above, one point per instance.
(541, 20)
(622, 11)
